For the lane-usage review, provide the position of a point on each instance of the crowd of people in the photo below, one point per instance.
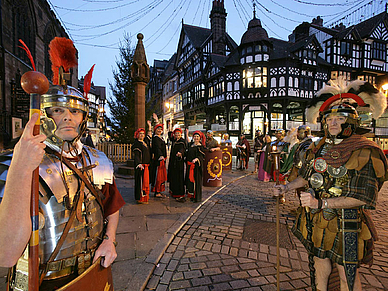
(185, 163)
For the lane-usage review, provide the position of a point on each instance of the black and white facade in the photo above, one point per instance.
(266, 83)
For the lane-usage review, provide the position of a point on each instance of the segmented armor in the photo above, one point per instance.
(85, 234)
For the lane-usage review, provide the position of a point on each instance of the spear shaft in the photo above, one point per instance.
(276, 159)
(33, 248)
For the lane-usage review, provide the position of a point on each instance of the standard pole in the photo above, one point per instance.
(276, 159)
(33, 248)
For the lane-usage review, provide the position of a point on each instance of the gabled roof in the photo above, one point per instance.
(350, 30)
(367, 27)
(219, 60)
(197, 35)
(361, 30)
(304, 42)
(279, 49)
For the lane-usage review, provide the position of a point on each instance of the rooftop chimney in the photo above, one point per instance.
(218, 26)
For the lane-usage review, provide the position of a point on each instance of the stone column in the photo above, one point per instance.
(140, 73)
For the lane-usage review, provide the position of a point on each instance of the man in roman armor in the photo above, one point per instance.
(78, 198)
(343, 173)
(297, 152)
(277, 145)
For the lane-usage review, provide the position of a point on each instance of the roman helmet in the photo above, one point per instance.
(358, 101)
(63, 57)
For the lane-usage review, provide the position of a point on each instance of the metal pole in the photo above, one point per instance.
(276, 159)
(33, 248)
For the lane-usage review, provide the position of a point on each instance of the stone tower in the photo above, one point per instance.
(140, 73)
(218, 26)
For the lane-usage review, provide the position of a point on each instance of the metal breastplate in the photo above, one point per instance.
(84, 235)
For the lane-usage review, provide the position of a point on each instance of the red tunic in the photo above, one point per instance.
(113, 200)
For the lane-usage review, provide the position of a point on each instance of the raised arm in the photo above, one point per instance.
(15, 220)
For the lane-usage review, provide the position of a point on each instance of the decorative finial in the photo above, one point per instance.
(140, 36)
(254, 10)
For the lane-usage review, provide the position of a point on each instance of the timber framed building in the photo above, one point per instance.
(266, 83)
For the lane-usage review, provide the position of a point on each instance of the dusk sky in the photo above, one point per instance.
(98, 26)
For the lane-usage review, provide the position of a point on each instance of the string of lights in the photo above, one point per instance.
(238, 12)
(139, 16)
(272, 20)
(169, 21)
(271, 12)
(103, 1)
(266, 9)
(203, 10)
(196, 11)
(95, 10)
(129, 16)
(301, 13)
(346, 3)
(56, 12)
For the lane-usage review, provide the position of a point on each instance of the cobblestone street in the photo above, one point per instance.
(230, 244)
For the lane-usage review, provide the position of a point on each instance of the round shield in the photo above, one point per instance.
(316, 180)
(320, 165)
(226, 157)
(214, 167)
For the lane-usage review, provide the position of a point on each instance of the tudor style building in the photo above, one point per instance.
(266, 83)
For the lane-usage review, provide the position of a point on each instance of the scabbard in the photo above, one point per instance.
(350, 225)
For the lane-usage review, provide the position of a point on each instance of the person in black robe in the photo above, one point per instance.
(158, 166)
(142, 159)
(176, 166)
(195, 156)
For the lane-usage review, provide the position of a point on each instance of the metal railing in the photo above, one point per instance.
(117, 153)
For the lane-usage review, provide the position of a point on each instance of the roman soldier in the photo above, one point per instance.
(78, 199)
(343, 174)
(277, 145)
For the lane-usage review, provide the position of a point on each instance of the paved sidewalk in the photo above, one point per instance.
(230, 244)
(145, 231)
